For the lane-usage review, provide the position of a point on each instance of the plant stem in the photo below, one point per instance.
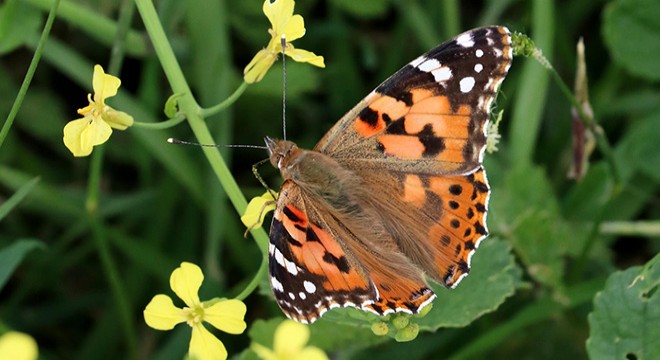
(192, 111)
(30, 72)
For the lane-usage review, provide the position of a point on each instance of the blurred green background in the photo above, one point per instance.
(561, 240)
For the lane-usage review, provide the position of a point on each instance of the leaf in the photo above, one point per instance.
(639, 150)
(15, 199)
(12, 255)
(526, 208)
(624, 321)
(493, 277)
(631, 31)
(18, 22)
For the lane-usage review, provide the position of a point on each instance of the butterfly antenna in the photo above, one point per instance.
(182, 142)
(283, 39)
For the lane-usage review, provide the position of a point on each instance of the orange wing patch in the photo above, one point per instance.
(462, 223)
(320, 254)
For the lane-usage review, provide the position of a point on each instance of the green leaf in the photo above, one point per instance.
(493, 277)
(364, 9)
(624, 322)
(15, 199)
(11, 256)
(639, 150)
(526, 208)
(631, 31)
(18, 22)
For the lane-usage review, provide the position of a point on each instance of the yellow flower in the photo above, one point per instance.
(18, 346)
(225, 315)
(289, 343)
(283, 23)
(95, 127)
(257, 209)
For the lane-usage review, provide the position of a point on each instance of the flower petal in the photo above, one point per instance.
(278, 12)
(104, 85)
(263, 352)
(117, 119)
(18, 346)
(258, 66)
(227, 316)
(81, 135)
(257, 210)
(185, 282)
(311, 353)
(205, 346)
(161, 314)
(294, 28)
(301, 55)
(290, 338)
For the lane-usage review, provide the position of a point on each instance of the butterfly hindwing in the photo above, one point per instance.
(310, 270)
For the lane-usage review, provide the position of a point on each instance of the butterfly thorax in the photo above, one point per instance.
(312, 171)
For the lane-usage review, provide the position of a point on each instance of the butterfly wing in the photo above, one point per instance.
(419, 138)
(319, 262)
(430, 116)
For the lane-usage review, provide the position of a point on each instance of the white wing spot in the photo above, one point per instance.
(429, 65)
(276, 284)
(467, 83)
(293, 297)
(302, 295)
(291, 267)
(309, 287)
(479, 53)
(465, 40)
(441, 74)
(478, 68)
(416, 62)
(279, 257)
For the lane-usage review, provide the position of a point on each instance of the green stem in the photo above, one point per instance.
(93, 189)
(30, 72)
(256, 280)
(631, 228)
(603, 144)
(116, 285)
(225, 103)
(192, 111)
(161, 125)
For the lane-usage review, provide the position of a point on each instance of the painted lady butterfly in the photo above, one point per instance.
(394, 191)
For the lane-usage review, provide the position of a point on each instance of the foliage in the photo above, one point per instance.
(85, 243)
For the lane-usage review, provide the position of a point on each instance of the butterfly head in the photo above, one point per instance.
(280, 152)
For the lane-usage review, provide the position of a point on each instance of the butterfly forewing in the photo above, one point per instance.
(394, 191)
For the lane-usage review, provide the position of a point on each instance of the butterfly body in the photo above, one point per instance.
(395, 192)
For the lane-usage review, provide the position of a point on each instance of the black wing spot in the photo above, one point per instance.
(445, 239)
(341, 263)
(396, 127)
(369, 116)
(289, 214)
(433, 145)
(456, 189)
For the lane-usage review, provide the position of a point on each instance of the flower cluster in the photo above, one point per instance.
(225, 315)
(284, 25)
(95, 127)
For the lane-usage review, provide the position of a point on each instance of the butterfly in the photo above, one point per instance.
(395, 192)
